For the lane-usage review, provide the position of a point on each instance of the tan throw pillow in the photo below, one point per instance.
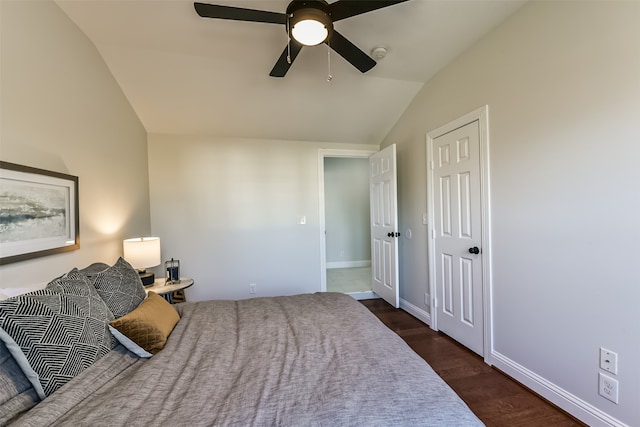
(150, 324)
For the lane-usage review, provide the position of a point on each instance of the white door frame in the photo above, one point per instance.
(322, 154)
(482, 116)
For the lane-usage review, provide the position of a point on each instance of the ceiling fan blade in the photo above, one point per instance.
(346, 8)
(351, 52)
(239, 14)
(282, 65)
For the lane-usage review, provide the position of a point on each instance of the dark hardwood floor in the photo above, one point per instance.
(494, 397)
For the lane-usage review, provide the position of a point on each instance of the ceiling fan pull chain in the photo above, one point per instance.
(288, 43)
(329, 76)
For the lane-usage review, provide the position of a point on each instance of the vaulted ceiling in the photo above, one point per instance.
(189, 75)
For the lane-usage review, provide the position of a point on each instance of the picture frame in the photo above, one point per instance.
(39, 213)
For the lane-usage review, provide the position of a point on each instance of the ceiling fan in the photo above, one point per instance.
(308, 23)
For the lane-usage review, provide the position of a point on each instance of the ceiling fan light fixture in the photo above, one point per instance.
(307, 23)
(310, 26)
(309, 32)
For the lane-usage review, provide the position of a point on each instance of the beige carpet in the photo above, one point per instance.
(345, 280)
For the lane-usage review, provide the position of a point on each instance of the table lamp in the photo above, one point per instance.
(142, 253)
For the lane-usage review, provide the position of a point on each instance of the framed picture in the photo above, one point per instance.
(38, 213)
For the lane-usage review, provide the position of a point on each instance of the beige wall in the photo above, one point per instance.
(562, 82)
(63, 111)
(228, 210)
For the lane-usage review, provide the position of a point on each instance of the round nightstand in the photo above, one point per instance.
(167, 290)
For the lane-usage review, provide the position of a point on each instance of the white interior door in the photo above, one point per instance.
(384, 224)
(458, 235)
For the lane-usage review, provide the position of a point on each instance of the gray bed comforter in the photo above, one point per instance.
(304, 360)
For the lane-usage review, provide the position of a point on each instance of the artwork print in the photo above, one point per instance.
(38, 212)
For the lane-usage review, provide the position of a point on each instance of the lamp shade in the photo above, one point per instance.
(142, 252)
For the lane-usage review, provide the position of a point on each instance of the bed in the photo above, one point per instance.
(302, 360)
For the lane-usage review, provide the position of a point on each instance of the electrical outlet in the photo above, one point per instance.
(609, 361)
(608, 387)
(252, 288)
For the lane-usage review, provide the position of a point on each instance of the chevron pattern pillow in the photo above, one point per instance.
(57, 332)
(120, 287)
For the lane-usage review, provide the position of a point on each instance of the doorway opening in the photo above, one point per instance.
(345, 222)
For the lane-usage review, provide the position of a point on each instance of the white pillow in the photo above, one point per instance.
(7, 293)
(129, 343)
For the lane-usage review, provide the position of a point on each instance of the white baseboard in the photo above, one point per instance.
(349, 264)
(577, 407)
(415, 311)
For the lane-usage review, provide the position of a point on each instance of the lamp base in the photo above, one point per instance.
(147, 278)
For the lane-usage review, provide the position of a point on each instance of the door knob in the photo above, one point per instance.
(396, 234)
(474, 250)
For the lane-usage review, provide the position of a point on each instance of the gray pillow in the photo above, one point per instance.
(58, 332)
(17, 394)
(120, 287)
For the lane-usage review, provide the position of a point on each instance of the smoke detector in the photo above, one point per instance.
(379, 52)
